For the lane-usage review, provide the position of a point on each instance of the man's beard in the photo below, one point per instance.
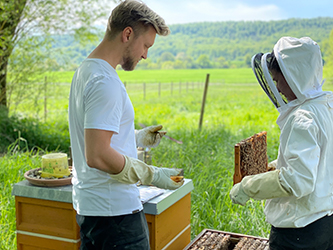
(129, 63)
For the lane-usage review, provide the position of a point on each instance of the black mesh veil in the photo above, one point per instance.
(260, 63)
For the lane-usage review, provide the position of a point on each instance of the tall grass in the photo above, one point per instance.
(12, 168)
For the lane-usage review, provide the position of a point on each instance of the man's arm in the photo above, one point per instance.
(99, 154)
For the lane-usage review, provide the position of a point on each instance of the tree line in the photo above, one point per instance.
(228, 44)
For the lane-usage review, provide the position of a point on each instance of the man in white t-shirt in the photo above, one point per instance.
(103, 138)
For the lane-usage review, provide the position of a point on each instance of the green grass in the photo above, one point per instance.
(232, 112)
(11, 171)
(239, 75)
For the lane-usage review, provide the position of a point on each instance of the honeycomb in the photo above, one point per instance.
(218, 240)
(251, 156)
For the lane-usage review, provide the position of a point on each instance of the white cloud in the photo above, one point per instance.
(209, 10)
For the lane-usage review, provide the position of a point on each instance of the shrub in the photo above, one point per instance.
(28, 133)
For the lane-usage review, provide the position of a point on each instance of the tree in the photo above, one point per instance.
(166, 56)
(11, 12)
(167, 65)
(28, 26)
(248, 59)
(222, 62)
(144, 64)
(204, 62)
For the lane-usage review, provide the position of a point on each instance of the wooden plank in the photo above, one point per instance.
(163, 228)
(181, 241)
(237, 172)
(28, 242)
(152, 230)
(46, 217)
(172, 221)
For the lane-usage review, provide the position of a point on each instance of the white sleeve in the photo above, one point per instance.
(103, 104)
(301, 152)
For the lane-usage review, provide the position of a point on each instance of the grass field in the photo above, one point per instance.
(238, 75)
(233, 111)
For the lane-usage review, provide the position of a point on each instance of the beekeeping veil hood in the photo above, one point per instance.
(300, 63)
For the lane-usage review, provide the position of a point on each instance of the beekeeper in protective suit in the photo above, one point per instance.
(299, 192)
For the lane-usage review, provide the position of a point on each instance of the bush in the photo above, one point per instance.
(28, 133)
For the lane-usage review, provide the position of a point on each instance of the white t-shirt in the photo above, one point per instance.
(98, 100)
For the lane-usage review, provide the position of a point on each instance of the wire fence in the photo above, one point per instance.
(50, 101)
(152, 90)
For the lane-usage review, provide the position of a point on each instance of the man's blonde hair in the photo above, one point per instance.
(138, 16)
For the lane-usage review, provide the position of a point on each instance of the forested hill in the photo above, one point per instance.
(222, 44)
(254, 30)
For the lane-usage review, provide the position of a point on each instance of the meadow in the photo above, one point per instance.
(241, 75)
(234, 110)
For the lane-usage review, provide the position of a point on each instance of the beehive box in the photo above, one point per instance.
(210, 239)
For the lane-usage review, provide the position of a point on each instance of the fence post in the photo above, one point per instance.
(171, 87)
(203, 101)
(159, 89)
(144, 91)
(180, 87)
(45, 99)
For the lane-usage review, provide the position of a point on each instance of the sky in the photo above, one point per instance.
(189, 11)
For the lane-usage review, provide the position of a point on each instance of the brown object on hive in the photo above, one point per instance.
(212, 241)
(255, 245)
(177, 178)
(241, 243)
(264, 245)
(251, 244)
(251, 156)
(224, 243)
(220, 240)
(248, 244)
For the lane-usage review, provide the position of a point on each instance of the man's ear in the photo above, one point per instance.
(127, 34)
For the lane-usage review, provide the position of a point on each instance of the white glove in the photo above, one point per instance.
(149, 137)
(272, 165)
(259, 187)
(237, 195)
(136, 170)
(162, 178)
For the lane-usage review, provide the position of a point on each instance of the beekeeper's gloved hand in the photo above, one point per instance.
(259, 187)
(272, 165)
(149, 137)
(136, 170)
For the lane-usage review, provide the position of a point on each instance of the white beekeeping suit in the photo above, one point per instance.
(305, 156)
(303, 180)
